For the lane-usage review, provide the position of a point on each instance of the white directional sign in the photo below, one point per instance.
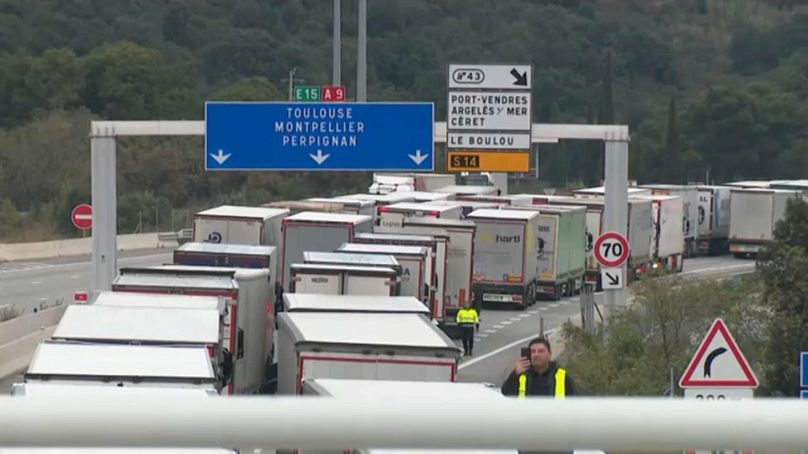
(488, 140)
(489, 107)
(483, 111)
(491, 77)
(611, 278)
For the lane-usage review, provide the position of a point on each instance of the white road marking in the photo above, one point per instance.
(499, 326)
(553, 305)
(482, 336)
(490, 331)
(506, 322)
(528, 315)
(517, 318)
(534, 311)
(501, 349)
(543, 308)
(36, 282)
(75, 276)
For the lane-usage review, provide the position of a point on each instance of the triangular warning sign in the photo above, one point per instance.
(718, 362)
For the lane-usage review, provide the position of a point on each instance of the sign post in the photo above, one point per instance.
(319, 136)
(718, 371)
(611, 251)
(489, 118)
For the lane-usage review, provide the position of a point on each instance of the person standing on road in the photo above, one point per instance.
(467, 319)
(535, 374)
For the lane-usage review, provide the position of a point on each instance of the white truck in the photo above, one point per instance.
(639, 228)
(308, 302)
(561, 238)
(350, 206)
(753, 216)
(416, 267)
(690, 203)
(500, 200)
(311, 231)
(505, 256)
(345, 258)
(438, 245)
(713, 219)
(357, 345)
(460, 190)
(600, 191)
(384, 183)
(459, 258)
(146, 326)
(429, 197)
(248, 334)
(239, 225)
(467, 206)
(379, 200)
(57, 362)
(668, 242)
(342, 280)
(232, 256)
(391, 217)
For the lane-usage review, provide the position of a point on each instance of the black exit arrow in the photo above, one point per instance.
(521, 79)
(613, 280)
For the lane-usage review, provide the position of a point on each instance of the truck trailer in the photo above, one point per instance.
(310, 231)
(506, 256)
(58, 362)
(343, 280)
(713, 219)
(459, 258)
(248, 334)
(561, 238)
(753, 216)
(361, 345)
(309, 302)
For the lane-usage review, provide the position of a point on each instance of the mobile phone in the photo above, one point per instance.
(526, 352)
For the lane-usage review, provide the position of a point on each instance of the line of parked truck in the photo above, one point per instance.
(327, 295)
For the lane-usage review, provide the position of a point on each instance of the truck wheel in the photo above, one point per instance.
(529, 297)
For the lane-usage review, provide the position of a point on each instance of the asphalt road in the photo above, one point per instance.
(28, 285)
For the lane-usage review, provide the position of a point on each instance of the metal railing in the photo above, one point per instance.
(625, 424)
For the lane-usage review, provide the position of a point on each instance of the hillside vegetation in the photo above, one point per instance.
(710, 88)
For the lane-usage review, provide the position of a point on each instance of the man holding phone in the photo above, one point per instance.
(535, 374)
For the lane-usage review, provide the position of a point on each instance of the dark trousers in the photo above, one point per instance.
(467, 334)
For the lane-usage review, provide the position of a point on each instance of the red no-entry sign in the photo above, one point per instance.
(82, 216)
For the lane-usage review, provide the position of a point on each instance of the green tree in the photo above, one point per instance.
(129, 81)
(57, 77)
(635, 353)
(781, 267)
(249, 89)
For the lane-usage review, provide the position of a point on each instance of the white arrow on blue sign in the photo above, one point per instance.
(319, 136)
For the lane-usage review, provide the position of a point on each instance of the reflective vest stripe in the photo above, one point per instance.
(560, 383)
(522, 385)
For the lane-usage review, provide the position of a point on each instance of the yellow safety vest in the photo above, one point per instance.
(560, 384)
(467, 316)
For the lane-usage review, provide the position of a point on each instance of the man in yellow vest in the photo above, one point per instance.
(538, 375)
(467, 319)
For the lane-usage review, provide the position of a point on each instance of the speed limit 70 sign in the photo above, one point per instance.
(611, 249)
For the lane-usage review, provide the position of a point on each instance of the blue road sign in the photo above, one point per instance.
(804, 394)
(804, 369)
(319, 136)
